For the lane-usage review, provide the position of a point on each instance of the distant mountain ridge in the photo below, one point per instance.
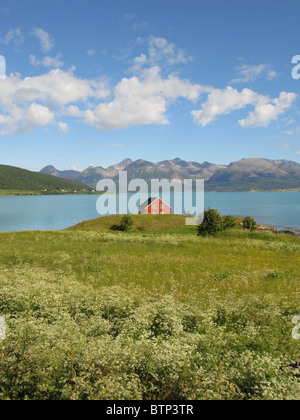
(250, 174)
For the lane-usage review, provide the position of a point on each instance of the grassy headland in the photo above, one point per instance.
(97, 314)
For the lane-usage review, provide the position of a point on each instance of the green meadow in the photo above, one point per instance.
(158, 313)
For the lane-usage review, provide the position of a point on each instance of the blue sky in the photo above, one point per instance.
(97, 81)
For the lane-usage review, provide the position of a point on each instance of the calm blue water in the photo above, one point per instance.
(281, 210)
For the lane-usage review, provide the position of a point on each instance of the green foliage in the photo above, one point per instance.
(229, 222)
(250, 224)
(212, 223)
(125, 225)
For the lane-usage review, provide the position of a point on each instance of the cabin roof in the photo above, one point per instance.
(148, 202)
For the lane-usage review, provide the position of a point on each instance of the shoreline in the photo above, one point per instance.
(276, 230)
(17, 193)
(43, 194)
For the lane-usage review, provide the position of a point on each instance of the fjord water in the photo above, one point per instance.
(281, 210)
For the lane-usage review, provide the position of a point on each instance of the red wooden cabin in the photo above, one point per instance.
(155, 206)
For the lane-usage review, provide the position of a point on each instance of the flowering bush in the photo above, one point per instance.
(89, 317)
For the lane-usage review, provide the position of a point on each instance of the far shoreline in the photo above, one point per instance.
(17, 193)
(12, 193)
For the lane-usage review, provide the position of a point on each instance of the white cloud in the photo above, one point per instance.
(250, 73)
(25, 120)
(33, 102)
(64, 128)
(160, 50)
(56, 88)
(14, 36)
(222, 102)
(139, 101)
(265, 113)
(138, 63)
(50, 62)
(145, 98)
(160, 53)
(47, 44)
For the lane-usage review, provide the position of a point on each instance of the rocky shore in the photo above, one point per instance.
(267, 228)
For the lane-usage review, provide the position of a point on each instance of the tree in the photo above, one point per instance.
(212, 223)
(250, 224)
(126, 223)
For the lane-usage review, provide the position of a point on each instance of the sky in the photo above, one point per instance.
(92, 82)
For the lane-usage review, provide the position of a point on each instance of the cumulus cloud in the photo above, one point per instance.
(265, 113)
(222, 102)
(145, 98)
(46, 42)
(33, 102)
(25, 120)
(139, 101)
(56, 88)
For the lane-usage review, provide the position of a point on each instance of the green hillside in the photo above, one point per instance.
(22, 181)
(150, 223)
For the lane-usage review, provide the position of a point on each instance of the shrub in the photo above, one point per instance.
(228, 222)
(250, 224)
(212, 223)
(126, 223)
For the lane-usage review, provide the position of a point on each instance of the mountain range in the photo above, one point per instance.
(251, 174)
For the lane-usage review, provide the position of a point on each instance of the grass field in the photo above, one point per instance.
(157, 313)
